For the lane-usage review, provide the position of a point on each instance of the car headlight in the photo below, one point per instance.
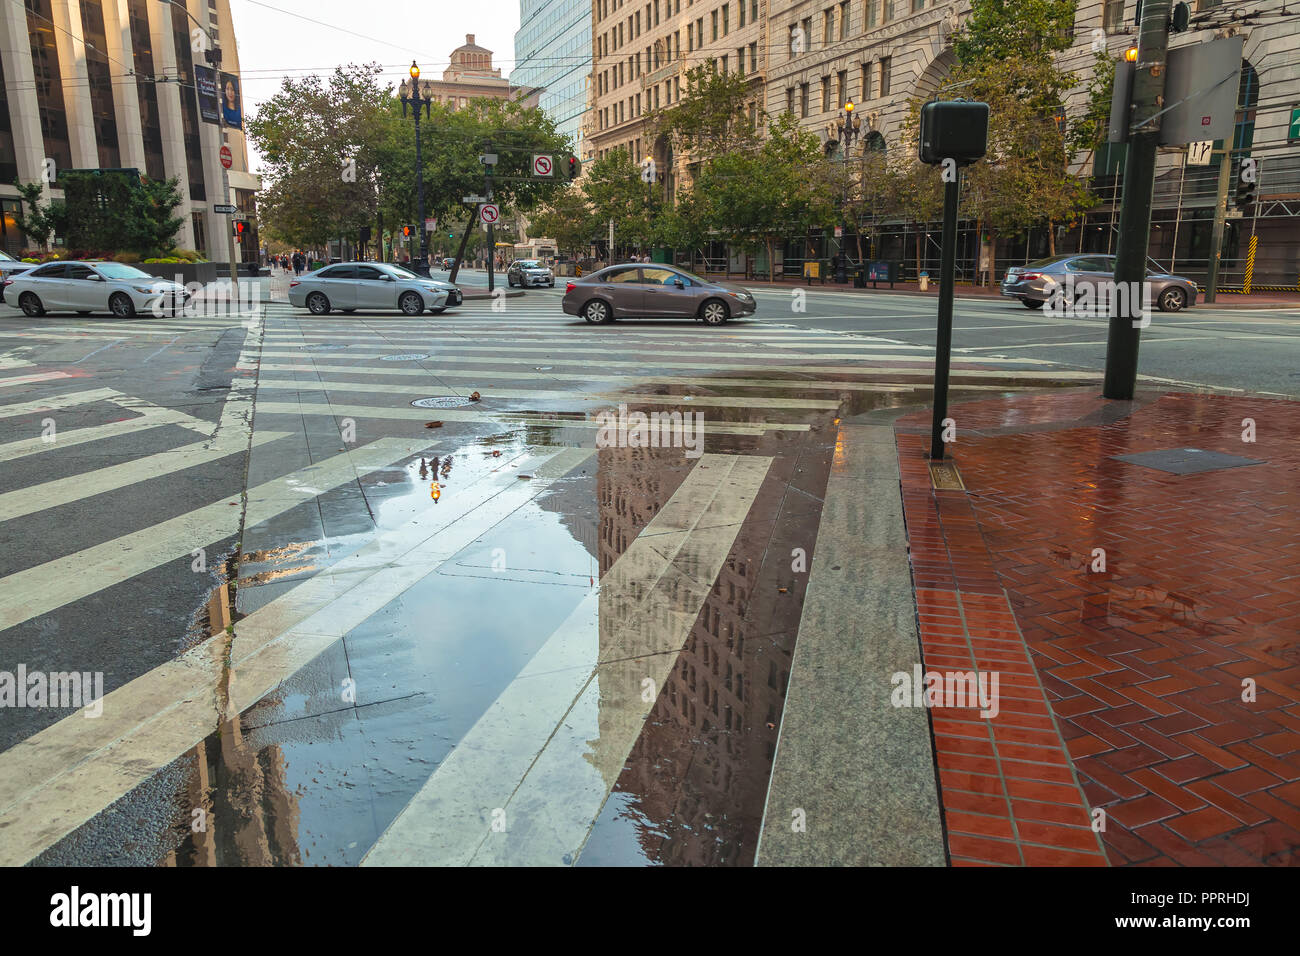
(146, 290)
(429, 288)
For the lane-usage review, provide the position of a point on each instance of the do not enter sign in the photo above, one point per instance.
(489, 213)
(227, 158)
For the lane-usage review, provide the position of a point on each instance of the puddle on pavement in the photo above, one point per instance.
(317, 770)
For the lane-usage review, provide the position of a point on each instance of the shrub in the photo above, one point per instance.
(188, 255)
(127, 257)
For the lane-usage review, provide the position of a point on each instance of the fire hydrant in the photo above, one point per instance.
(925, 281)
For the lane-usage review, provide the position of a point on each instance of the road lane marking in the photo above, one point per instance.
(506, 417)
(54, 781)
(150, 417)
(62, 491)
(489, 392)
(29, 379)
(56, 402)
(524, 755)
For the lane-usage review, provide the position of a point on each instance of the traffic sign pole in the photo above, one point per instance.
(492, 246)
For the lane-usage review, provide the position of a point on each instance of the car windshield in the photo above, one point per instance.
(529, 264)
(1044, 263)
(692, 276)
(117, 270)
(5, 257)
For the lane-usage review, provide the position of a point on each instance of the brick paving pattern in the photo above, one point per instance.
(1145, 664)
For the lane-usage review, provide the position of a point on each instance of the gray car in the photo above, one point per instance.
(529, 272)
(349, 286)
(87, 286)
(654, 291)
(1036, 283)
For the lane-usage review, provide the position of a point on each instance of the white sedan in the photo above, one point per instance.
(86, 287)
(349, 286)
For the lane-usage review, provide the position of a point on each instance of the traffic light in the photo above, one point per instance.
(1247, 182)
(408, 231)
(574, 167)
(239, 226)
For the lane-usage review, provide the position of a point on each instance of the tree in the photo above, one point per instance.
(754, 198)
(615, 190)
(569, 220)
(1006, 58)
(712, 116)
(41, 219)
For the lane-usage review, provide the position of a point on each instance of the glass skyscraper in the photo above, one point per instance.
(553, 50)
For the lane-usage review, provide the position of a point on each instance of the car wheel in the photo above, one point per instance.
(120, 304)
(1172, 299)
(1032, 303)
(510, 282)
(30, 304)
(317, 304)
(597, 312)
(410, 303)
(714, 312)
(551, 284)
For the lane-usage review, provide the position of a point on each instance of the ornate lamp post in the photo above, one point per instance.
(844, 129)
(419, 97)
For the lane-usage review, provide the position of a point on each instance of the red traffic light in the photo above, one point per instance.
(407, 231)
(574, 167)
(239, 226)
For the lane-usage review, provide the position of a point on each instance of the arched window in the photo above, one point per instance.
(875, 142)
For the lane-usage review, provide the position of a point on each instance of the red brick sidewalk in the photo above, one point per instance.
(1122, 689)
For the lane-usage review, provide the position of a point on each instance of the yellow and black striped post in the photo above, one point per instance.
(1250, 264)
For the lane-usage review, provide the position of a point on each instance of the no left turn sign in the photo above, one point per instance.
(489, 213)
(541, 165)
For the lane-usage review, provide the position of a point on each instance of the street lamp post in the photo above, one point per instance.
(844, 129)
(418, 97)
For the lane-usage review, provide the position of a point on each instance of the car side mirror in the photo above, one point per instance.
(386, 277)
(95, 277)
(679, 283)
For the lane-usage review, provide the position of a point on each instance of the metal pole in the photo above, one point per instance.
(943, 345)
(230, 233)
(1178, 214)
(1135, 213)
(423, 268)
(492, 245)
(1216, 234)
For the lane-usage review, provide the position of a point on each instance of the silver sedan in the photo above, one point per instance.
(349, 286)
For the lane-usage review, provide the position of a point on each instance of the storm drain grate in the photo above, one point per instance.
(405, 357)
(1187, 461)
(442, 401)
(945, 477)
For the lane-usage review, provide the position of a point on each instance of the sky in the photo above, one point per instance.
(291, 37)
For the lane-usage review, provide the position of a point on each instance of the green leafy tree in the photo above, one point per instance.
(41, 219)
(569, 220)
(615, 190)
(713, 115)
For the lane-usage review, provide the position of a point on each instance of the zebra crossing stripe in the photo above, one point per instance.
(527, 754)
(38, 590)
(521, 418)
(62, 491)
(29, 379)
(56, 402)
(488, 392)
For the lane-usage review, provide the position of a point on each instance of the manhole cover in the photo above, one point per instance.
(324, 347)
(1187, 461)
(406, 357)
(442, 401)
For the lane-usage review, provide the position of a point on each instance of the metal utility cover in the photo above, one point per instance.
(1187, 461)
(406, 357)
(442, 401)
(1201, 88)
(322, 347)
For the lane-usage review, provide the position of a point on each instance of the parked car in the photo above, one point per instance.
(1034, 284)
(92, 286)
(529, 272)
(349, 286)
(654, 291)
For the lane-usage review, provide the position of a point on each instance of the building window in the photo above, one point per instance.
(713, 36)
(803, 100)
(826, 94)
(753, 10)
(864, 89)
(918, 6)
(753, 57)
(789, 100)
(726, 10)
(873, 12)
(724, 63)
(1113, 16)
(146, 93)
(842, 88)
(200, 232)
(828, 26)
(740, 61)
(844, 20)
(49, 83)
(884, 75)
(741, 13)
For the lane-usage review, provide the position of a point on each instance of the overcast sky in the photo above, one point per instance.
(293, 37)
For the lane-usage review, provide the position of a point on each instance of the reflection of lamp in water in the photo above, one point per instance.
(435, 492)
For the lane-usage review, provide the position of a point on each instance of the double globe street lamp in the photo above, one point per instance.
(844, 129)
(419, 97)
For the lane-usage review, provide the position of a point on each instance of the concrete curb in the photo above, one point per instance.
(857, 771)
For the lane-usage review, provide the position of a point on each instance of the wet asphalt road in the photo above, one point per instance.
(401, 629)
